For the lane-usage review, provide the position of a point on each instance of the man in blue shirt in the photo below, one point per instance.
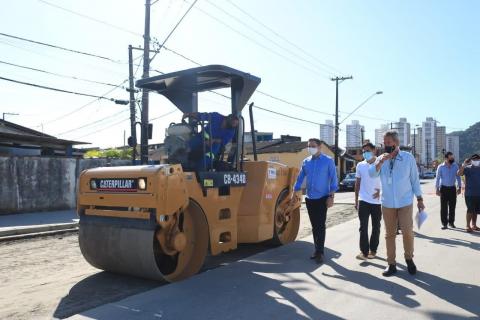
(219, 131)
(319, 169)
(471, 169)
(445, 186)
(399, 176)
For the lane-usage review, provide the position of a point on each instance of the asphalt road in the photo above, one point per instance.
(48, 277)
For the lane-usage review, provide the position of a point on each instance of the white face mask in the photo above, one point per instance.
(476, 163)
(312, 150)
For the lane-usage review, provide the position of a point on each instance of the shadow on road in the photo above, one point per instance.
(105, 287)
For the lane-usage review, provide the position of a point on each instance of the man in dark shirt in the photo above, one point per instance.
(471, 169)
(218, 132)
(446, 189)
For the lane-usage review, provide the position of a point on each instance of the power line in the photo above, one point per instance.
(283, 38)
(58, 75)
(260, 44)
(320, 68)
(285, 115)
(164, 115)
(259, 91)
(56, 89)
(173, 30)
(104, 128)
(92, 123)
(83, 106)
(123, 120)
(91, 18)
(59, 47)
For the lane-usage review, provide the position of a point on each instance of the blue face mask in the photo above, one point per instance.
(367, 155)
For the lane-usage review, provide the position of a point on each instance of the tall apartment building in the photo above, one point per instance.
(327, 132)
(453, 145)
(403, 129)
(379, 134)
(441, 141)
(428, 141)
(354, 134)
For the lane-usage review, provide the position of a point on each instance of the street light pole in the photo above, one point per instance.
(337, 79)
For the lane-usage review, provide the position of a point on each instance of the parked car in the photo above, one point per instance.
(348, 183)
(428, 175)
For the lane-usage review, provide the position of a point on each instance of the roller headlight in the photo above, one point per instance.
(93, 184)
(142, 184)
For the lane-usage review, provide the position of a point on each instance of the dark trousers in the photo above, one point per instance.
(448, 201)
(365, 211)
(317, 211)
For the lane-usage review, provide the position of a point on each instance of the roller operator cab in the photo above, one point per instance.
(161, 221)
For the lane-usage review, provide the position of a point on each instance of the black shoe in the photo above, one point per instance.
(444, 227)
(390, 270)
(452, 225)
(314, 255)
(319, 258)
(412, 268)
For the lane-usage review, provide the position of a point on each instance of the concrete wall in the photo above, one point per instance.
(29, 184)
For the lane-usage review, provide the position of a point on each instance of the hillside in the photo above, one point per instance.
(469, 141)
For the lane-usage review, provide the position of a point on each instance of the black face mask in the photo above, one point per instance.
(389, 149)
(451, 161)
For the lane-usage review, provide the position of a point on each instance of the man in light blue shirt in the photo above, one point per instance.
(400, 183)
(319, 169)
(446, 190)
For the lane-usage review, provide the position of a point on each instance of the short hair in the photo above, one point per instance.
(392, 134)
(449, 153)
(368, 145)
(317, 141)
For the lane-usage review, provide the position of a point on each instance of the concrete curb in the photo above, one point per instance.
(29, 232)
(36, 235)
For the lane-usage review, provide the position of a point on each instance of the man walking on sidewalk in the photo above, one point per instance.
(399, 175)
(319, 169)
(445, 186)
(367, 189)
(471, 169)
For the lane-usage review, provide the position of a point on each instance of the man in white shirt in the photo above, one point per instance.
(367, 190)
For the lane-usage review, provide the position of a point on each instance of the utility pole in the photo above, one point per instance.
(362, 131)
(336, 79)
(131, 90)
(8, 113)
(146, 69)
(414, 143)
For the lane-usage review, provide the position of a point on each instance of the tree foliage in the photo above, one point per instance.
(110, 153)
(469, 141)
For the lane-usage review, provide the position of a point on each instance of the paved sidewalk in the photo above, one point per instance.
(37, 222)
(284, 284)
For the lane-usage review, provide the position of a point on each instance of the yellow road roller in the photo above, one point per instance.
(161, 221)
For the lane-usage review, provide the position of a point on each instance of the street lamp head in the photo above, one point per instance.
(379, 92)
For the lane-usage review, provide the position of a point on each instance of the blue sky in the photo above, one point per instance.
(422, 54)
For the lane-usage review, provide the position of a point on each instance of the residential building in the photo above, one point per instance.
(428, 141)
(259, 136)
(17, 140)
(355, 134)
(379, 134)
(453, 145)
(403, 129)
(327, 132)
(441, 141)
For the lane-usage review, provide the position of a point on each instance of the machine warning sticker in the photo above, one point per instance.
(272, 173)
(208, 183)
